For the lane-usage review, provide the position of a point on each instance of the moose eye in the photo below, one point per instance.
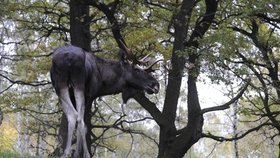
(154, 74)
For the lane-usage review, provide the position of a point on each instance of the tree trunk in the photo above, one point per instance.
(79, 24)
(173, 142)
(168, 133)
(80, 36)
(235, 132)
(1, 117)
(62, 137)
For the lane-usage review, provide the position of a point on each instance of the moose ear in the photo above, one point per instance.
(122, 56)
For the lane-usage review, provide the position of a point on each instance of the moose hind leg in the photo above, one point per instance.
(82, 130)
(71, 114)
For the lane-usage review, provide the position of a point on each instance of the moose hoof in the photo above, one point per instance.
(86, 155)
(66, 156)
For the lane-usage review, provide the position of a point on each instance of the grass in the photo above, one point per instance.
(8, 155)
(16, 155)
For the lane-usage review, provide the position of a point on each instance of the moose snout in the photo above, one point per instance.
(153, 88)
(156, 88)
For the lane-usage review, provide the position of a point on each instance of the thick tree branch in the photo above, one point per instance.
(242, 31)
(109, 10)
(151, 108)
(269, 20)
(203, 24)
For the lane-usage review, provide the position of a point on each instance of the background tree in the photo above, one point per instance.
(249, 51)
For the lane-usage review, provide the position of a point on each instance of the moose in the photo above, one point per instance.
(79, 77)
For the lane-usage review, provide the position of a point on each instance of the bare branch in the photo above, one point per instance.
(156, 4)
(226, 105)
(221, 139)
(35, 84)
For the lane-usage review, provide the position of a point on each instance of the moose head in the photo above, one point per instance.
(138, 79)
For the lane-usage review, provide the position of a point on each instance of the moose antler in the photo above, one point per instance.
(128, 54)
(150, 69)
(131, 57)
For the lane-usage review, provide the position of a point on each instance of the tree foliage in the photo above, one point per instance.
(234, 44)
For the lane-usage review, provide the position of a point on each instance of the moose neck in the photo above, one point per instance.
(111, 76)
